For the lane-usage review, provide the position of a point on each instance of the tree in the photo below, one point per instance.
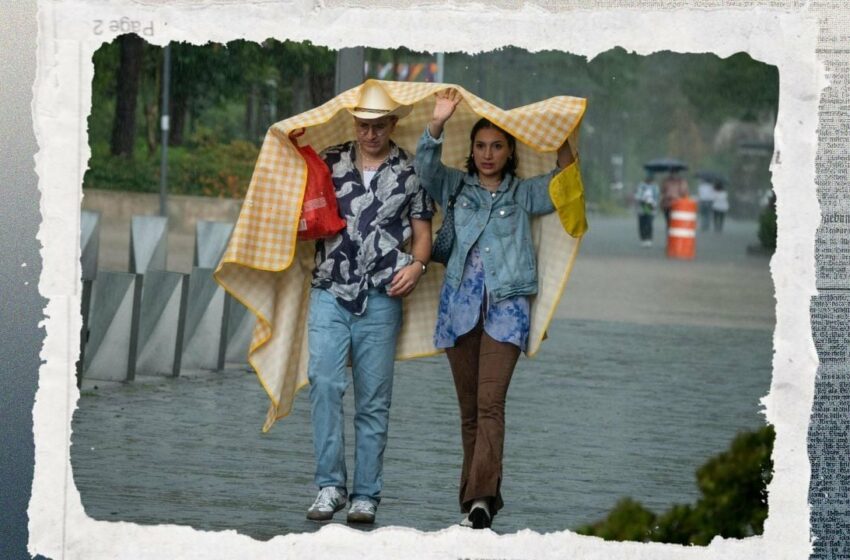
(736, 87)
(201, 76)
(127, 91)
(304, 65)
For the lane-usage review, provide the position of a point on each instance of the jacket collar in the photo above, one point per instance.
(472, 179)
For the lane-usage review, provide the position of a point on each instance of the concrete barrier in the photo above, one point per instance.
(203, 346)
(148, 243)
(184, 213)
(110, 352)
(239, 324)
(210, 242)
(89, 243)
(162, 318)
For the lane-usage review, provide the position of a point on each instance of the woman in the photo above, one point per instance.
(483, 318)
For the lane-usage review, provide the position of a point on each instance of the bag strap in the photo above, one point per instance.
(295, 134)
(455, 193)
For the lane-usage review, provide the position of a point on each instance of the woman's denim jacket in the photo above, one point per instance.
(500, 222)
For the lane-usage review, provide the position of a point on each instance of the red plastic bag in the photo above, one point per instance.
(319, 212)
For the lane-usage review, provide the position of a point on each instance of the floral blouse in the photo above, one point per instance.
(507, 320)
(370, 249)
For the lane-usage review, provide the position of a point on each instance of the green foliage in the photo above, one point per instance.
(767, 228)
(119, 173)
(639, 107)
(231, 93)
(733, 485)
(736, 86)
(215, 169)
(677, 525)
(733, 503)
(628, 521)
(206, 168)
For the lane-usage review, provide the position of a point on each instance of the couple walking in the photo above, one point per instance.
(360, 275)
(362, 272)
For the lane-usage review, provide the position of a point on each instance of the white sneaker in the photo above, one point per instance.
(465, 522)
(362, 511)
(329, 501)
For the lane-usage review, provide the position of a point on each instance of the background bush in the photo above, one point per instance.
(733, 485)
(767, 228)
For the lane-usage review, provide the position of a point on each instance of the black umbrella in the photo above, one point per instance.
(712, 177)
(665, 164)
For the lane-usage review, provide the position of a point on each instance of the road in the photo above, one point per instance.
(651, 367)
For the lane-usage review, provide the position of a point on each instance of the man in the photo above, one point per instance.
(360, 277)
(705, 203)
(673, 188)
(646, 198)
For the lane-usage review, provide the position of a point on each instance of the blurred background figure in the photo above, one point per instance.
(673, 188)
(647, 197)
(720, 205)
(705, 201)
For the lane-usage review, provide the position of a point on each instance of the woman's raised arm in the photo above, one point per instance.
(446, 102)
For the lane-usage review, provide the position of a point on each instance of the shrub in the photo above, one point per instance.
(733, 485)
(221, 170)
(206, 169)
(767, 228)
(120, 173)
(628, 521)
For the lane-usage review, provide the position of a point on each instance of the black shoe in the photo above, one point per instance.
(480, 518)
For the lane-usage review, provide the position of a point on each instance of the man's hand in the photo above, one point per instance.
(405, 280)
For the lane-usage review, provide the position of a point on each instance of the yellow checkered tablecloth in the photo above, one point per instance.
(269, 271)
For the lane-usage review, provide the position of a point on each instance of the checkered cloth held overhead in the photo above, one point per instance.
(269, 271)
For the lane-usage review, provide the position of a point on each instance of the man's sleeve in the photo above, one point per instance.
(421, 205)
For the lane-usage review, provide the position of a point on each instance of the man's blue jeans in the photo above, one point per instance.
(371, 339)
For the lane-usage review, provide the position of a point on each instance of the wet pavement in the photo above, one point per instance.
(651, 367)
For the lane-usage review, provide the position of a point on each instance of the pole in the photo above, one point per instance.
(441, 61)
(349, 68)
(164, 127)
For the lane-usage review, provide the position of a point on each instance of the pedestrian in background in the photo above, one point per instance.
(673, 188)
(720, 206)
(705, 203)
(647, 198)
(483, 318)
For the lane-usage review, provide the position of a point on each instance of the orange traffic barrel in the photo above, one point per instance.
(682, 233)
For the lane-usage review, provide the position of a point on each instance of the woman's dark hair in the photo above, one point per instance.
(510, 165)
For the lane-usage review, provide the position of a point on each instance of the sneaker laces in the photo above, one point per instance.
(362, 506)
(326, 497)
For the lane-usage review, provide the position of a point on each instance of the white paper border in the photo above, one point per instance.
(59, 527)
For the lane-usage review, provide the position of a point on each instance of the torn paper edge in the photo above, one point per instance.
(69, 35)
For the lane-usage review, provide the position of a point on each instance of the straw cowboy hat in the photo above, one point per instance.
(375, 103)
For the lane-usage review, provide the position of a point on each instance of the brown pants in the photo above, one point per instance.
(482, 369)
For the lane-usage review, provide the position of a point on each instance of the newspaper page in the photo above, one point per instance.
(95, 442)
(828, 438)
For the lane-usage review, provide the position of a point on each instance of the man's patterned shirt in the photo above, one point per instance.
(370, 249)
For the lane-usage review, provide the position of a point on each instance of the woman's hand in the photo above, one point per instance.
(565, 155)
(446, 102)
